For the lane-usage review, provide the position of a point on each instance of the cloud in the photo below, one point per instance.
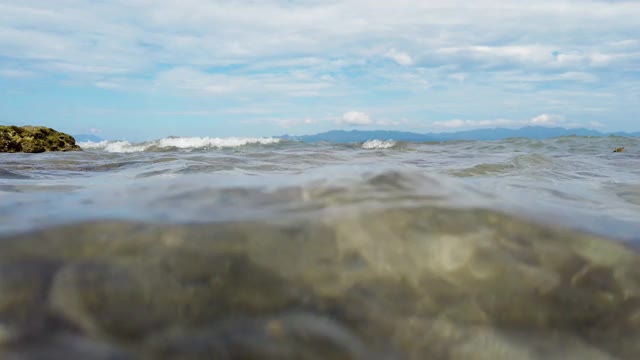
(530, 77)
(541, 120)
(423, 59)
(457, 123)
(355, 118)
(546, 119)
(132, 36)
(401, 58)
(194, 81)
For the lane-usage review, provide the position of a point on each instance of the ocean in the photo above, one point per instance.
(262, 248)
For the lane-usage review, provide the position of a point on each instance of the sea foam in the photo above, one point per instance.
(176, 142)
(378, 144)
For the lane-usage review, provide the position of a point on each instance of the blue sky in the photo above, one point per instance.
(144, 69)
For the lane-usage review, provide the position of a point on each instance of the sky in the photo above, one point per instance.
(145, 69)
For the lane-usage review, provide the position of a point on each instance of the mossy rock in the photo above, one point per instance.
(35, 139)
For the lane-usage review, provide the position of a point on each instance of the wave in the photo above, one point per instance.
(172, 143)
(378, 144)
(6, 174)
(518, 164)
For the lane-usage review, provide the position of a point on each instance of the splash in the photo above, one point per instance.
(378, 144)
(171, 143)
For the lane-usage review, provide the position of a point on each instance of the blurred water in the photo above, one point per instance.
(261, 249)
(573, 181)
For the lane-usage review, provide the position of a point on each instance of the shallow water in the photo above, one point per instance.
(260, 249)
(573, 181)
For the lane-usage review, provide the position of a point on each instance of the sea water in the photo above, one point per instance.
(261, 248)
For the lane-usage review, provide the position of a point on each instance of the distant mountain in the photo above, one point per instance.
(341, 136)
(621, 133)
(530, 132)
(87, 137)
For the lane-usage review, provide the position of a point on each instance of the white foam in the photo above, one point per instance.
(378, 144)
(113, 146)
(175, 142)
(92, 145)
(207, 142)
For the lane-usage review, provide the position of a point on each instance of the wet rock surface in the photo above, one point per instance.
(399, 284)
(34, 139)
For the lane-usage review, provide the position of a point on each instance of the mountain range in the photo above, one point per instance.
(531, 132)
(343, 136)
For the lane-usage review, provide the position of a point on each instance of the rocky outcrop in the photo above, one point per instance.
(35, 139)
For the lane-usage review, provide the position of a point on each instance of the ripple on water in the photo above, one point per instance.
(29, 188)
(6, 174)
(629, 193)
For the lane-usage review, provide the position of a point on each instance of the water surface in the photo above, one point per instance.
(266, 249)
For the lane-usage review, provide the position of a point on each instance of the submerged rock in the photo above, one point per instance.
(63, 346)
(35, 139)
(419, 283)
(137, 297)
(295, 336)
(23, 291)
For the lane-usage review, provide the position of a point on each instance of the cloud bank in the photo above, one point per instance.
(418, 60)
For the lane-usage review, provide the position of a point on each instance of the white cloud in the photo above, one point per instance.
(190, 80)
(541, 120)
(532, 56)
(457, 123)
(499, 55)
(135, 35)
(530, 77)
(252, 51)
(401, 58)
(546, 119)
(355, 118)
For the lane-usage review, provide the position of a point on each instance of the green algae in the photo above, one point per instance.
(34, 139)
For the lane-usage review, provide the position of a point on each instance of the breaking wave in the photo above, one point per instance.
(378, 144)
(172, 143)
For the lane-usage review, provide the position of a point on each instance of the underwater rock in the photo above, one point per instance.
(291, 336)
(428, 283)
(132, 299)
(64, 346)
(23, 292)
(491, 344)
(35, 139)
